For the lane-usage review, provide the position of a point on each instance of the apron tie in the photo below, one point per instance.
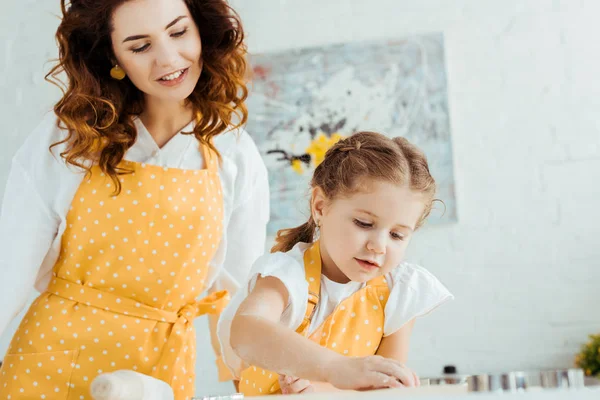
(182, 327)
(181, 320)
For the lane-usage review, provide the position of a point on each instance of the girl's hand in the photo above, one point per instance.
(366, 373)
(292, 385)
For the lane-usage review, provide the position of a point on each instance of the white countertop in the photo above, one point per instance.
(446, 392)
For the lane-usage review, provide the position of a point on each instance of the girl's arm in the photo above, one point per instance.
(396, 345)
(259, 339)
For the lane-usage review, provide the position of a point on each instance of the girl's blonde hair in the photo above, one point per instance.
(360, 158)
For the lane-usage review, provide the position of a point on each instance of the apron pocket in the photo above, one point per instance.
(37, 375)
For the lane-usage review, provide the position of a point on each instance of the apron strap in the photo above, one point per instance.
(312, 270)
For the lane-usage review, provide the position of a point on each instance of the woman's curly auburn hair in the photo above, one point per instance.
(97, 110)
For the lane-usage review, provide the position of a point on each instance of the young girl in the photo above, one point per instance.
(349, 291)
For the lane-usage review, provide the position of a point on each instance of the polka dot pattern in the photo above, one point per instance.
(124, 290)
(354, 329)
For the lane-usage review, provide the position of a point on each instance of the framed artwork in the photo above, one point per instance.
(302, 101)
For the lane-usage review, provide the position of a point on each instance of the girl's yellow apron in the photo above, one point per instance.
(354, 329)
(125, 285)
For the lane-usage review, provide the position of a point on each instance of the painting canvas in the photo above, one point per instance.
(301, 101)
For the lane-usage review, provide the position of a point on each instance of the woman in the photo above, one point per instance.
(138, 194)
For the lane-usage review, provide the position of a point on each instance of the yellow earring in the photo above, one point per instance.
(117, 73)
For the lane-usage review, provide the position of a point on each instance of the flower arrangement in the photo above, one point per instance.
(588, 358)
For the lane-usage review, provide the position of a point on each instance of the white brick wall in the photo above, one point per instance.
(524, 99)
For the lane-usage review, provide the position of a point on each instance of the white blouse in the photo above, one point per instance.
(414, 292)
(41, 186)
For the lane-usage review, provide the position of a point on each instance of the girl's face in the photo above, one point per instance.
(365, 235)
(158, 45)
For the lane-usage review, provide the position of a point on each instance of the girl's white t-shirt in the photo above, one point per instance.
(414, 292)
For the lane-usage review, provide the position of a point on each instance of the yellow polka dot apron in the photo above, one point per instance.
(125, 286)
(354, 328)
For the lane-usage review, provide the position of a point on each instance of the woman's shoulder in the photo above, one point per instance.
(39, 158)
(39, 142)
(237, 144)
(242, 163)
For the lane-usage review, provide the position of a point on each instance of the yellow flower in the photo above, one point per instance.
(320, 145)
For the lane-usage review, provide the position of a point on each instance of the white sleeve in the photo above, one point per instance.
(414, 292)
(27, 230)
(246, 237)
(246, 232)
(290, 272)
(242, 244)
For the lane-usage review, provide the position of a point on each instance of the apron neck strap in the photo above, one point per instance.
(312, 269)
